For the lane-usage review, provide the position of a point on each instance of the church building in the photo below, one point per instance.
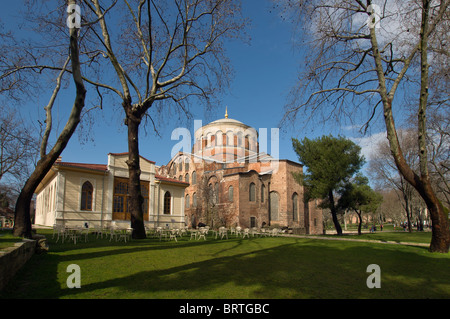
(232, 183)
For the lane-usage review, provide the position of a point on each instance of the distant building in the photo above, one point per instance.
(74, 194)
(232, 184)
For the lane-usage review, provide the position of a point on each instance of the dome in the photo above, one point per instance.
(225, 138)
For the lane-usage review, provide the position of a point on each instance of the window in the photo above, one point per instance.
(180, 165)
(216, 193)
(295, 206)
(121, 204)
(145, 195)
(252, 192)
(263, 189)
(252, 222)
(210, 195)
(273, 205)
(230, 193)
(230, 138)
(86, 196)
(187, 203)
(239, 139)
(186, 178)
(219, 138)
(167, 200)
(194, 178)
(186, 164)
(194, 200)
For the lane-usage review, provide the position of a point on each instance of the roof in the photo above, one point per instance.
(226, 120)
(171, 180)
(93, 167)
(126, 153)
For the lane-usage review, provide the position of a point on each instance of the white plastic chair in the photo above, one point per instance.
(202, 233)
(223, 232)
(246, 233)
(173, 234)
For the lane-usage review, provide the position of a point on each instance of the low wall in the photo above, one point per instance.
(13, 258)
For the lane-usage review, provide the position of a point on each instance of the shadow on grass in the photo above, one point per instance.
(236, 268)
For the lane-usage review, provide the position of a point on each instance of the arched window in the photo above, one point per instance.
(194, 200)
(247, 142)
(187, 203)
(208, 140)
(230, 193)
(219, 138)
(180, 165)
(210, 195)
(216, 193)
(294, 206)
(186, 164)
(230, 138)
(186, 178)
(86, 196)
(194, 178)
(252, 192)
(167, 200)
(274, 205)
(239, 139)
(263, 190)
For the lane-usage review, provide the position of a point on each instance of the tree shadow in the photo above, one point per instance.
(237, 268)
(292, 270)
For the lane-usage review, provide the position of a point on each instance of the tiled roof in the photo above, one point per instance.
(95, 167)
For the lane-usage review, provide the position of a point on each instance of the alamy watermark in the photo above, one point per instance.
(261, 138)
(74, 279)
(373, 21)
(74, 18)
(374, 279)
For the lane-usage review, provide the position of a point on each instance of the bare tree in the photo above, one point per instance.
(22, 220)
(168, 53)
(138, 52)
(364, 54)
(439, 149)
(17, 145)
(385, 173)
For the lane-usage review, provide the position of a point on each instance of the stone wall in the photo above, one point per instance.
(13, 258)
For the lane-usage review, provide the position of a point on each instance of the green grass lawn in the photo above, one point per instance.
(274, 268)
(7, 239)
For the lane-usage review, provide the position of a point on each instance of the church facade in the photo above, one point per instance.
(232, 184)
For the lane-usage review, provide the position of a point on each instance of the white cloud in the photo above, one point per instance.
(369, 144)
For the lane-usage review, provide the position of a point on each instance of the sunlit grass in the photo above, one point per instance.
(271, 268)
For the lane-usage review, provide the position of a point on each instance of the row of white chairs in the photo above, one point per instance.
(75, 233)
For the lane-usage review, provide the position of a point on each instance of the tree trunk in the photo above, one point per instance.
(136, 200)
(440, 241)
(360, 222)
(334, 213)
(22, 218)
(440, 238)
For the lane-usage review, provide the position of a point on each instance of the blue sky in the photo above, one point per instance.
(265, 71)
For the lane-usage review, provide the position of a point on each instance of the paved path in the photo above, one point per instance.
(357, 240)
